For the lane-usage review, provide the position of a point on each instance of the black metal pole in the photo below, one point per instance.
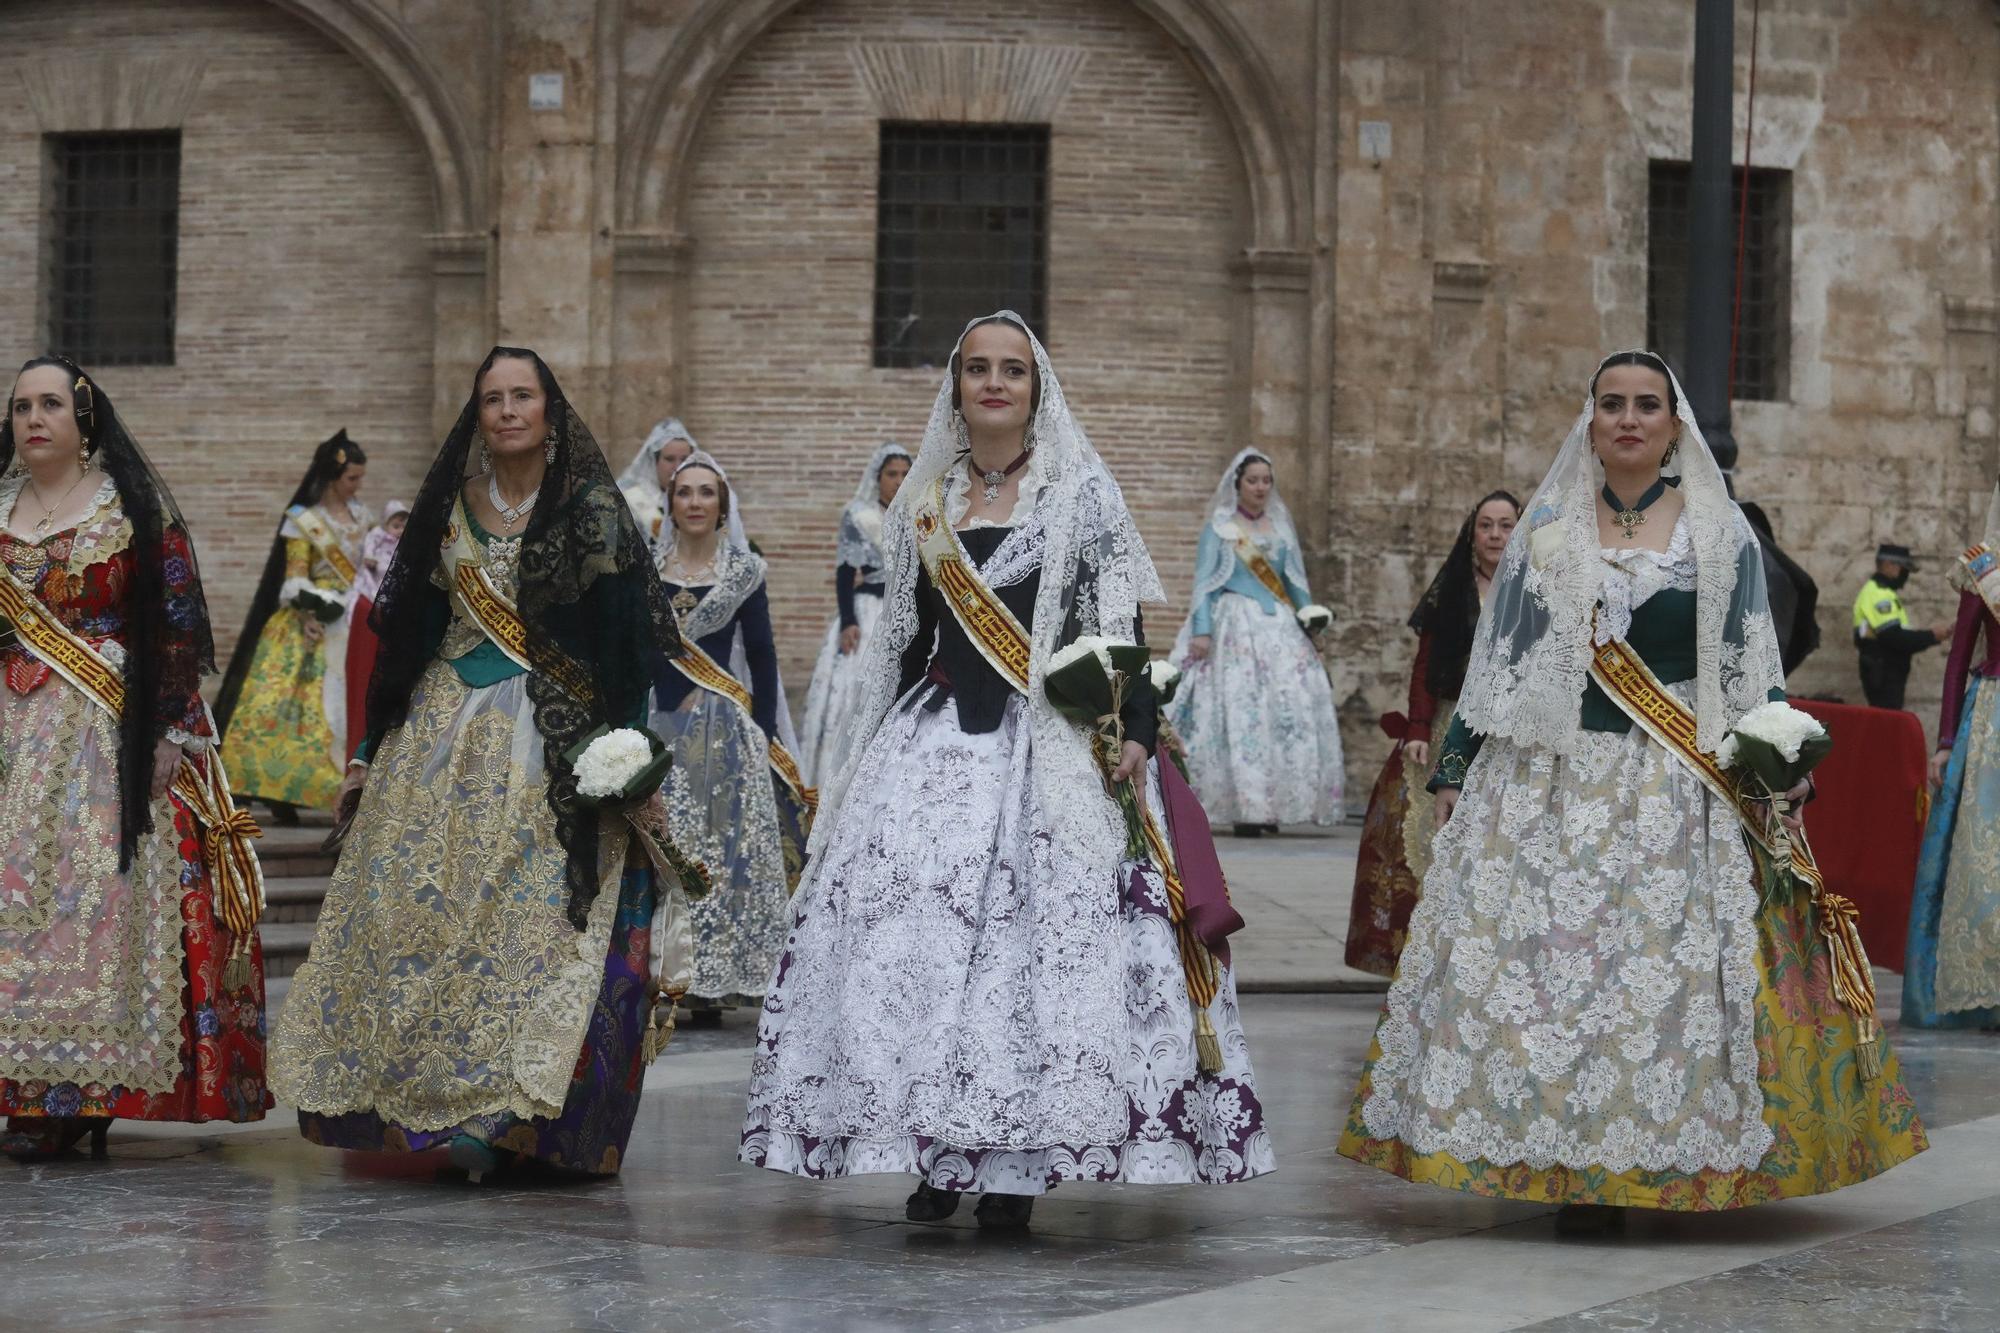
(1711, 251)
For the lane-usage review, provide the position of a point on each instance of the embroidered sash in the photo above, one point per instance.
(1981, 565)
(1253, 558)
(325, 541)
(202, 786)
(1004, 642)
(704, 671)
(495, 614)
(1622, 675)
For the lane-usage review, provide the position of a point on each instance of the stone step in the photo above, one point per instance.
(293, 898)
(288, 852)
(285, 946)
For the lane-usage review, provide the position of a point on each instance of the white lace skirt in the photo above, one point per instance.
(957, 1003)
(1579, 986)
(1257, 717)
(835, 688)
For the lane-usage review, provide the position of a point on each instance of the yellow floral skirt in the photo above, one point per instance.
(1592, 1004)
(279, 746)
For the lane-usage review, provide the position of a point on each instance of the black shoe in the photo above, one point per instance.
(284, 814)
(1249, 830)
(1004, 1212)
(1271, 829)
(1589, 1219)
(702, 1016)
(930, 1204)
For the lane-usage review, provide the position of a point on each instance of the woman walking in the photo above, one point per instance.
(1255, 709)
(1593, 1007)
(1396, 835)
(287, 679)
(480, 976)
(735, 798)
(857, 586)
(1951, 974)
(131, 983)
(980, 988)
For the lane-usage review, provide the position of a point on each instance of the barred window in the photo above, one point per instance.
(111, 242)
(1763, 340)
(961, 230)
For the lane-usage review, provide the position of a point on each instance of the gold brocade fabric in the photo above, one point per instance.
(281, 744)
(445, 980)
(1968, 941)
(90, 959)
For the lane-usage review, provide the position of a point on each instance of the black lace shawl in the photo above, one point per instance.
(333, 457)
(594, 608)
(1449, 608)
(169, 645)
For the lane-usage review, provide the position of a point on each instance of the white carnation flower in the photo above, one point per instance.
(1315, 616)
(1163, 673)
(609, 763)
(1779, 725)
(1086, 645)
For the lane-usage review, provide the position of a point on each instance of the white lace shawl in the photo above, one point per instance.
(1071, 523)
(1532, 651)
(860, 541)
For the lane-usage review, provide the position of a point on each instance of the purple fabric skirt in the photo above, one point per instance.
(590, 1134)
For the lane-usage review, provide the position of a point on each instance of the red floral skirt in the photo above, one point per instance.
(222, 1031)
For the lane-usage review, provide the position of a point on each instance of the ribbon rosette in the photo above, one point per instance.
(1088, 683)
(618, 766)
(1772, 749)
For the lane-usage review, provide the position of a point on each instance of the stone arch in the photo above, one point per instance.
(653, 156)
(386, 50)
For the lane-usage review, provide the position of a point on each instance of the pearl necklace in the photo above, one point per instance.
(509, 514)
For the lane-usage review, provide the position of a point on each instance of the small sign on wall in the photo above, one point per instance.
(545, 92)
(1374, 140)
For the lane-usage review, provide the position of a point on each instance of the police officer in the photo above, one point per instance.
(1882, 630)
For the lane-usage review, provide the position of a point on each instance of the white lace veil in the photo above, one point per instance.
(739, 571)
(860, 542)
(640, 481)
(1210, 574)
(1532, 651)
(1094, 567)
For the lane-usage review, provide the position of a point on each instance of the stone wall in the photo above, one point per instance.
(369, 201)
(304, 286)
(1144, 215)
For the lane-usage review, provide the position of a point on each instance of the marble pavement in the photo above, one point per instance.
(250, 1228)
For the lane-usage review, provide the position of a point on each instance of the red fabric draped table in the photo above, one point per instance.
(1867, 827)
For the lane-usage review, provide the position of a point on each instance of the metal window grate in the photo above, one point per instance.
(961, 230)
(112, 241)
(1763, 343)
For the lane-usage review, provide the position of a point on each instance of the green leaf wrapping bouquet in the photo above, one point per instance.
(304, 595)
(1771, 750)
(1088, 682)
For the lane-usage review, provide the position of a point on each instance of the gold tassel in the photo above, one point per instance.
(658, 1034)
(236, 974)
(1853, 981)
(1207, 1046)
(1868, 1053)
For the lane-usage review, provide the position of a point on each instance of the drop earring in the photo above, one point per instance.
(549, 448)
(485, 456)
(83, 455)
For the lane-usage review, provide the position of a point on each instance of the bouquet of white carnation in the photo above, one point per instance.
(1088, 682)
(302, 594)
(1166, 679)
(1772, 748)
(1314, 618)
(618, 766)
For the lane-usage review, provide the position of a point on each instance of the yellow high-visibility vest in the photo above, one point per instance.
(1876, 608)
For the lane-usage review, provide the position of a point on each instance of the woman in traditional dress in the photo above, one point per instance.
(378, 550)
(1951, 971)
(1255, 710)
(979, 988)
(1396, 835)
(283, 702)
(734, 797)
(645, 479)
(131, 984)
(1593, 1008)
(857, 590)
(479, 978)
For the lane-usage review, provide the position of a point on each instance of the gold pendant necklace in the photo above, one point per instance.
(49, 512)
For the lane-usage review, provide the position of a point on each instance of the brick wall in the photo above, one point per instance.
(305, 289)
(1146, 213)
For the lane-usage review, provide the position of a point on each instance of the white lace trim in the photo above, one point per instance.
(1631, 578)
